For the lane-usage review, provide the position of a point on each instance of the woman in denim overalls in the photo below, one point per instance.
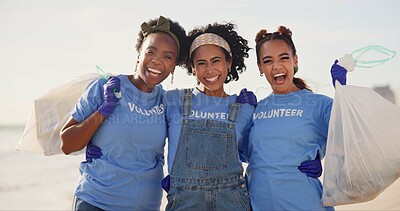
(207, 128)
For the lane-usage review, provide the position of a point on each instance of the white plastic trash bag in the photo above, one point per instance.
(49, 114)
(363, 148)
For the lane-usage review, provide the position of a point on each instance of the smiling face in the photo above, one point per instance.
(211, 69)
(156, 60)
(277, 63)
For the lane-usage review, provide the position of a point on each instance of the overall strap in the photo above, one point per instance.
(234, 109)
(186, 102)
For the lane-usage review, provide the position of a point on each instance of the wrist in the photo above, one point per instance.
(105, 109)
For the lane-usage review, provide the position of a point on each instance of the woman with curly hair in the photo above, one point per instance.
(130, 130)
(290, 128)
(207, 127)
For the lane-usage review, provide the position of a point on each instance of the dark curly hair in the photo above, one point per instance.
(284, 34)
(237, 44)
(178, 31)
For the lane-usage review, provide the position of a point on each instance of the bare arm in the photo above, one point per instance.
(76, 135)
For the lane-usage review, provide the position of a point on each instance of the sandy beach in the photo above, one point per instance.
(31, 181)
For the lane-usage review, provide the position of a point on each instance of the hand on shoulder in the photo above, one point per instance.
(247, 97)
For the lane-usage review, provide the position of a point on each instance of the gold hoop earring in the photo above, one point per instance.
(136, 66)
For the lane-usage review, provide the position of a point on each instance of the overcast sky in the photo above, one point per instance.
(44, 44)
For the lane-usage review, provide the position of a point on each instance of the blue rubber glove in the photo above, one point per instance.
(92, 152)
(338, 73)
(165, 183)
(110, 100)
(247, 97)
(313, 168)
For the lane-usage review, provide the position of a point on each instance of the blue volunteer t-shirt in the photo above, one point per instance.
(204, 107)
(288, 130)
(128, 174)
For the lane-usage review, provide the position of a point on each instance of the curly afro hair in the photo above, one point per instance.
(237, 44)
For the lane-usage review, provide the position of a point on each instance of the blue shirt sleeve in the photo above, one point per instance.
(90, 100)
(243, 145)
(325, 112)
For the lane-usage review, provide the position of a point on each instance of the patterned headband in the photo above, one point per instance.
(209, 39)
(163, 26)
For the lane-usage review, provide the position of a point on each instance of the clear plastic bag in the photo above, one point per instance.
(49, 114)
(363, 147)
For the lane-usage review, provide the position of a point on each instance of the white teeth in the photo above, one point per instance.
(212, 79)
(154, 71)
(279, 74)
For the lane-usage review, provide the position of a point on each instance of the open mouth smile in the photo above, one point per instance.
(212, 79)
(154, 72)
(279, 78)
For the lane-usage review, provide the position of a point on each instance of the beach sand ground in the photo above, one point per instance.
(31, 181)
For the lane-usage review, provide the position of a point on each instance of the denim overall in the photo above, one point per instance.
(206, 172)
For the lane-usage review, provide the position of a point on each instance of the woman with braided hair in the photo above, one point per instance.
(290, 128)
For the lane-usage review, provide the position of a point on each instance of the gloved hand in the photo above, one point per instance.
(110, 100)
(247, 97)
(92, 152)
(338, 73)
(165, 183)
(313, 168)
